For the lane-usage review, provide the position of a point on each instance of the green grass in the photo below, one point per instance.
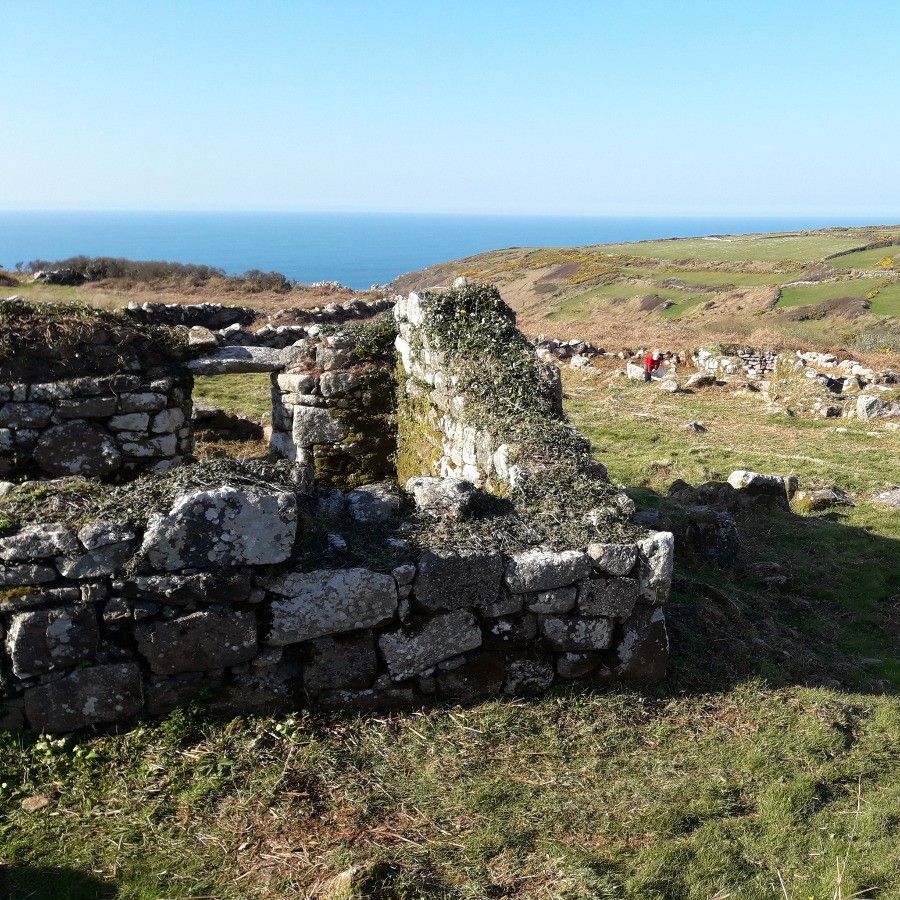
(598, 298)
(248, 394)
(866, 259)
(771, 248)
(885, 302)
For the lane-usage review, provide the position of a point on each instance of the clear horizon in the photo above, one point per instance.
(507, 108)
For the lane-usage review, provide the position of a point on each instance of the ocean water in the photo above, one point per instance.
(358, 250)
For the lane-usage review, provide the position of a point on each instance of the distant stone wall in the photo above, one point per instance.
(108, 622)
(751, 361)
(107, 427)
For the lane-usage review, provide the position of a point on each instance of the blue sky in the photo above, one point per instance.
(496, 106)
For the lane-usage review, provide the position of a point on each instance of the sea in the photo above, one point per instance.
(358, 250)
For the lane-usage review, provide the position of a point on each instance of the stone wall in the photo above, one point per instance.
(107, 621)
(257, 593)
(335, 416)
(448, 445)
(751, 361)
(108, 427)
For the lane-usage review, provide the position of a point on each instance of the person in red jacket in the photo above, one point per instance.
(652, 363)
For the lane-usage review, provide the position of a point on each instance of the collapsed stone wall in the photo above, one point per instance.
(262, 595)
(110, 426)
(108, 620)
(449, 445)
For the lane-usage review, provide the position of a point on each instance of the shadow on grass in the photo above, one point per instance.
(811, 600)
(25, 883)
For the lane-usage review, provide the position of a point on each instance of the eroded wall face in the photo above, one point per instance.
(112, 427)
(110, 621)
(335, 416)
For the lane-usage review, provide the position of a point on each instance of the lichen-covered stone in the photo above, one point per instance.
(108, 693)
(336, 383)
(574, 633)
(643, 652)
(313, 604)
(164, 695)
(576, 665)
(373, 502)
(481, 675)
(26, 574)
(25, 415)
(46, 639)
(559, 600)
(210, 639)
(313, 425)
(227, 360)
(528, 677)
(607, 596)
(543, 570)
(343, 662)
(142, 402)
(77, 448)
(450, 497)
(37, 542)
(106, 560)
(415, 648)
(452, 579)
(225, 526)
(614, 559)
(656, 556)
(103, 534)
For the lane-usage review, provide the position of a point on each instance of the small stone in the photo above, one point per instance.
(607, 596)
(614, 559)
(575, 633)
(528, 677)
(451, 579)
(43, 640)
(450, 497)
(559, 600)
(374, 502)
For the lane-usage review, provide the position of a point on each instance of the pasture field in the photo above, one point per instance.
(772, 248)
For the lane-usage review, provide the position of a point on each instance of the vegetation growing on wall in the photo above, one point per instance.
(565, 498)
(43, 342)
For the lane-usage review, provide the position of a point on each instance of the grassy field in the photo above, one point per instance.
(866, 259)
(765, 767)
(744, 248)
(248, 394)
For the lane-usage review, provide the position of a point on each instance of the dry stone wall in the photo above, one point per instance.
(107, 427)
(451, 446)
(261, 595)
(106, 622)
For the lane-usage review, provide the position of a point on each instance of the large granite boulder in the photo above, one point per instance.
(313, 604)
(225, 526)
(77, 447)
(108, 693)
